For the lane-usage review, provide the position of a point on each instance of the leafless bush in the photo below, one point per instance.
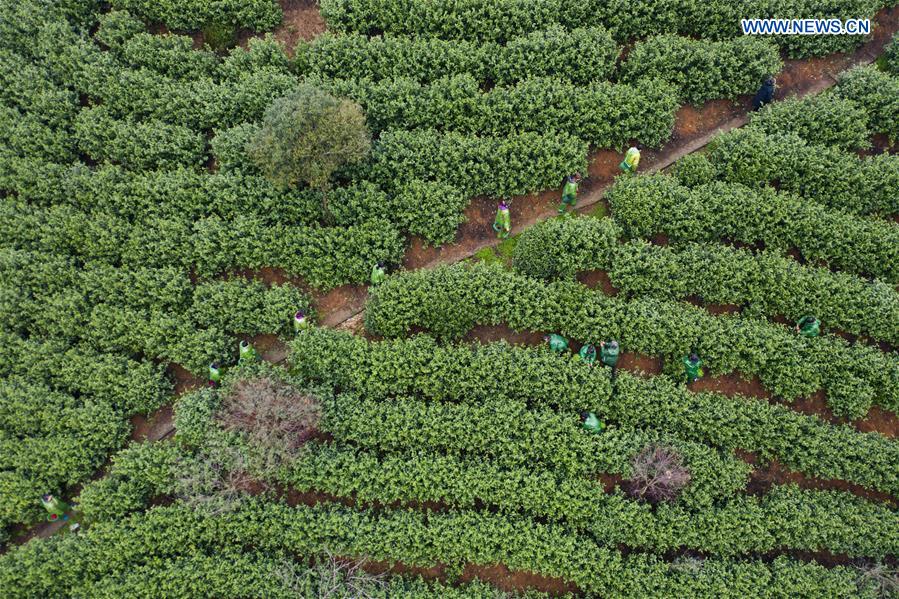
(333, 579)
(658, 474)
(275, 418)
(882, 579)
(215, 479)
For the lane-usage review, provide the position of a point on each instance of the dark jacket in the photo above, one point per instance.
(764, 95)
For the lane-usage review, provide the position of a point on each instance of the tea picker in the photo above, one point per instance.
(502, 224)
(588, 354)
(609, 353)
(589, 422)
(378, 274)
(692, 367)
(56, 509)
(247, 353)
(299, 321)
(631, 160)
(569, 192)
(765, 93)
(557, 343)
(808, 326)
(215, 374)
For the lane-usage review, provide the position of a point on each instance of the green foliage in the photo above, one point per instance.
(785, 517)
(702, 70)
(765, 283)
(306, 136)
(142, 311)
(259, 15)
(693, 170)
(603, 114)
(137, 145)
(484, 430)
(501, 167)
(581, 56)
(891, 54)
(449, 301)
(49, 440)
(648, 205)
(138, 473)
(418, 366)
(878, 93)
(823, 119)
(107, 552)
(828, 176)
(562, 247)
(502, 20)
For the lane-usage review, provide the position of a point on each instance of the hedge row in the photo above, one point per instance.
(236, 574)
(822, 119)
(891, 54)
(25, 135)
(419, 366)
(581, 56)
(878, 93)
(174, 56)
(259, 15)
(765, 283)
(494, 166)
(406, 423)
(169, 54)
(652, 204)
(324, 256)
(605, 115)
(107, 551)
(501, 20)
(199, 103)
(703, 70)
(157, 313)
(137, 145)
(31, 89)
(787, 517)
(49, 440)
(130, 386)
(450, 301)
(828, 176)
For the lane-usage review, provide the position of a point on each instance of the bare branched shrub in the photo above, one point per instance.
(275, 419)
(216, 479)
(658, 474)
(332, 578)
(879, 578)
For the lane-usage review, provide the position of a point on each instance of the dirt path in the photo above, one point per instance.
(694, 128)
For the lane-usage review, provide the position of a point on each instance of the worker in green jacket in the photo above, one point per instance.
(808, 326)
(631, 160)
(56, 509)
(569, 192)
(692, 367)
(557, 343)
(591, 423)
(378, 274)
(215, 375)
(299, 321)
(588, 354)
(502, 224)
(608, 352)
(248, 353)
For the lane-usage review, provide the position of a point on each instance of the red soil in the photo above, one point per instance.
(597, 279)
(639, 364)
(516, 581)
(731, 384)
(302, 21)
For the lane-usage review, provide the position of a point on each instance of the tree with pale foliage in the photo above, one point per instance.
(308, 135)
